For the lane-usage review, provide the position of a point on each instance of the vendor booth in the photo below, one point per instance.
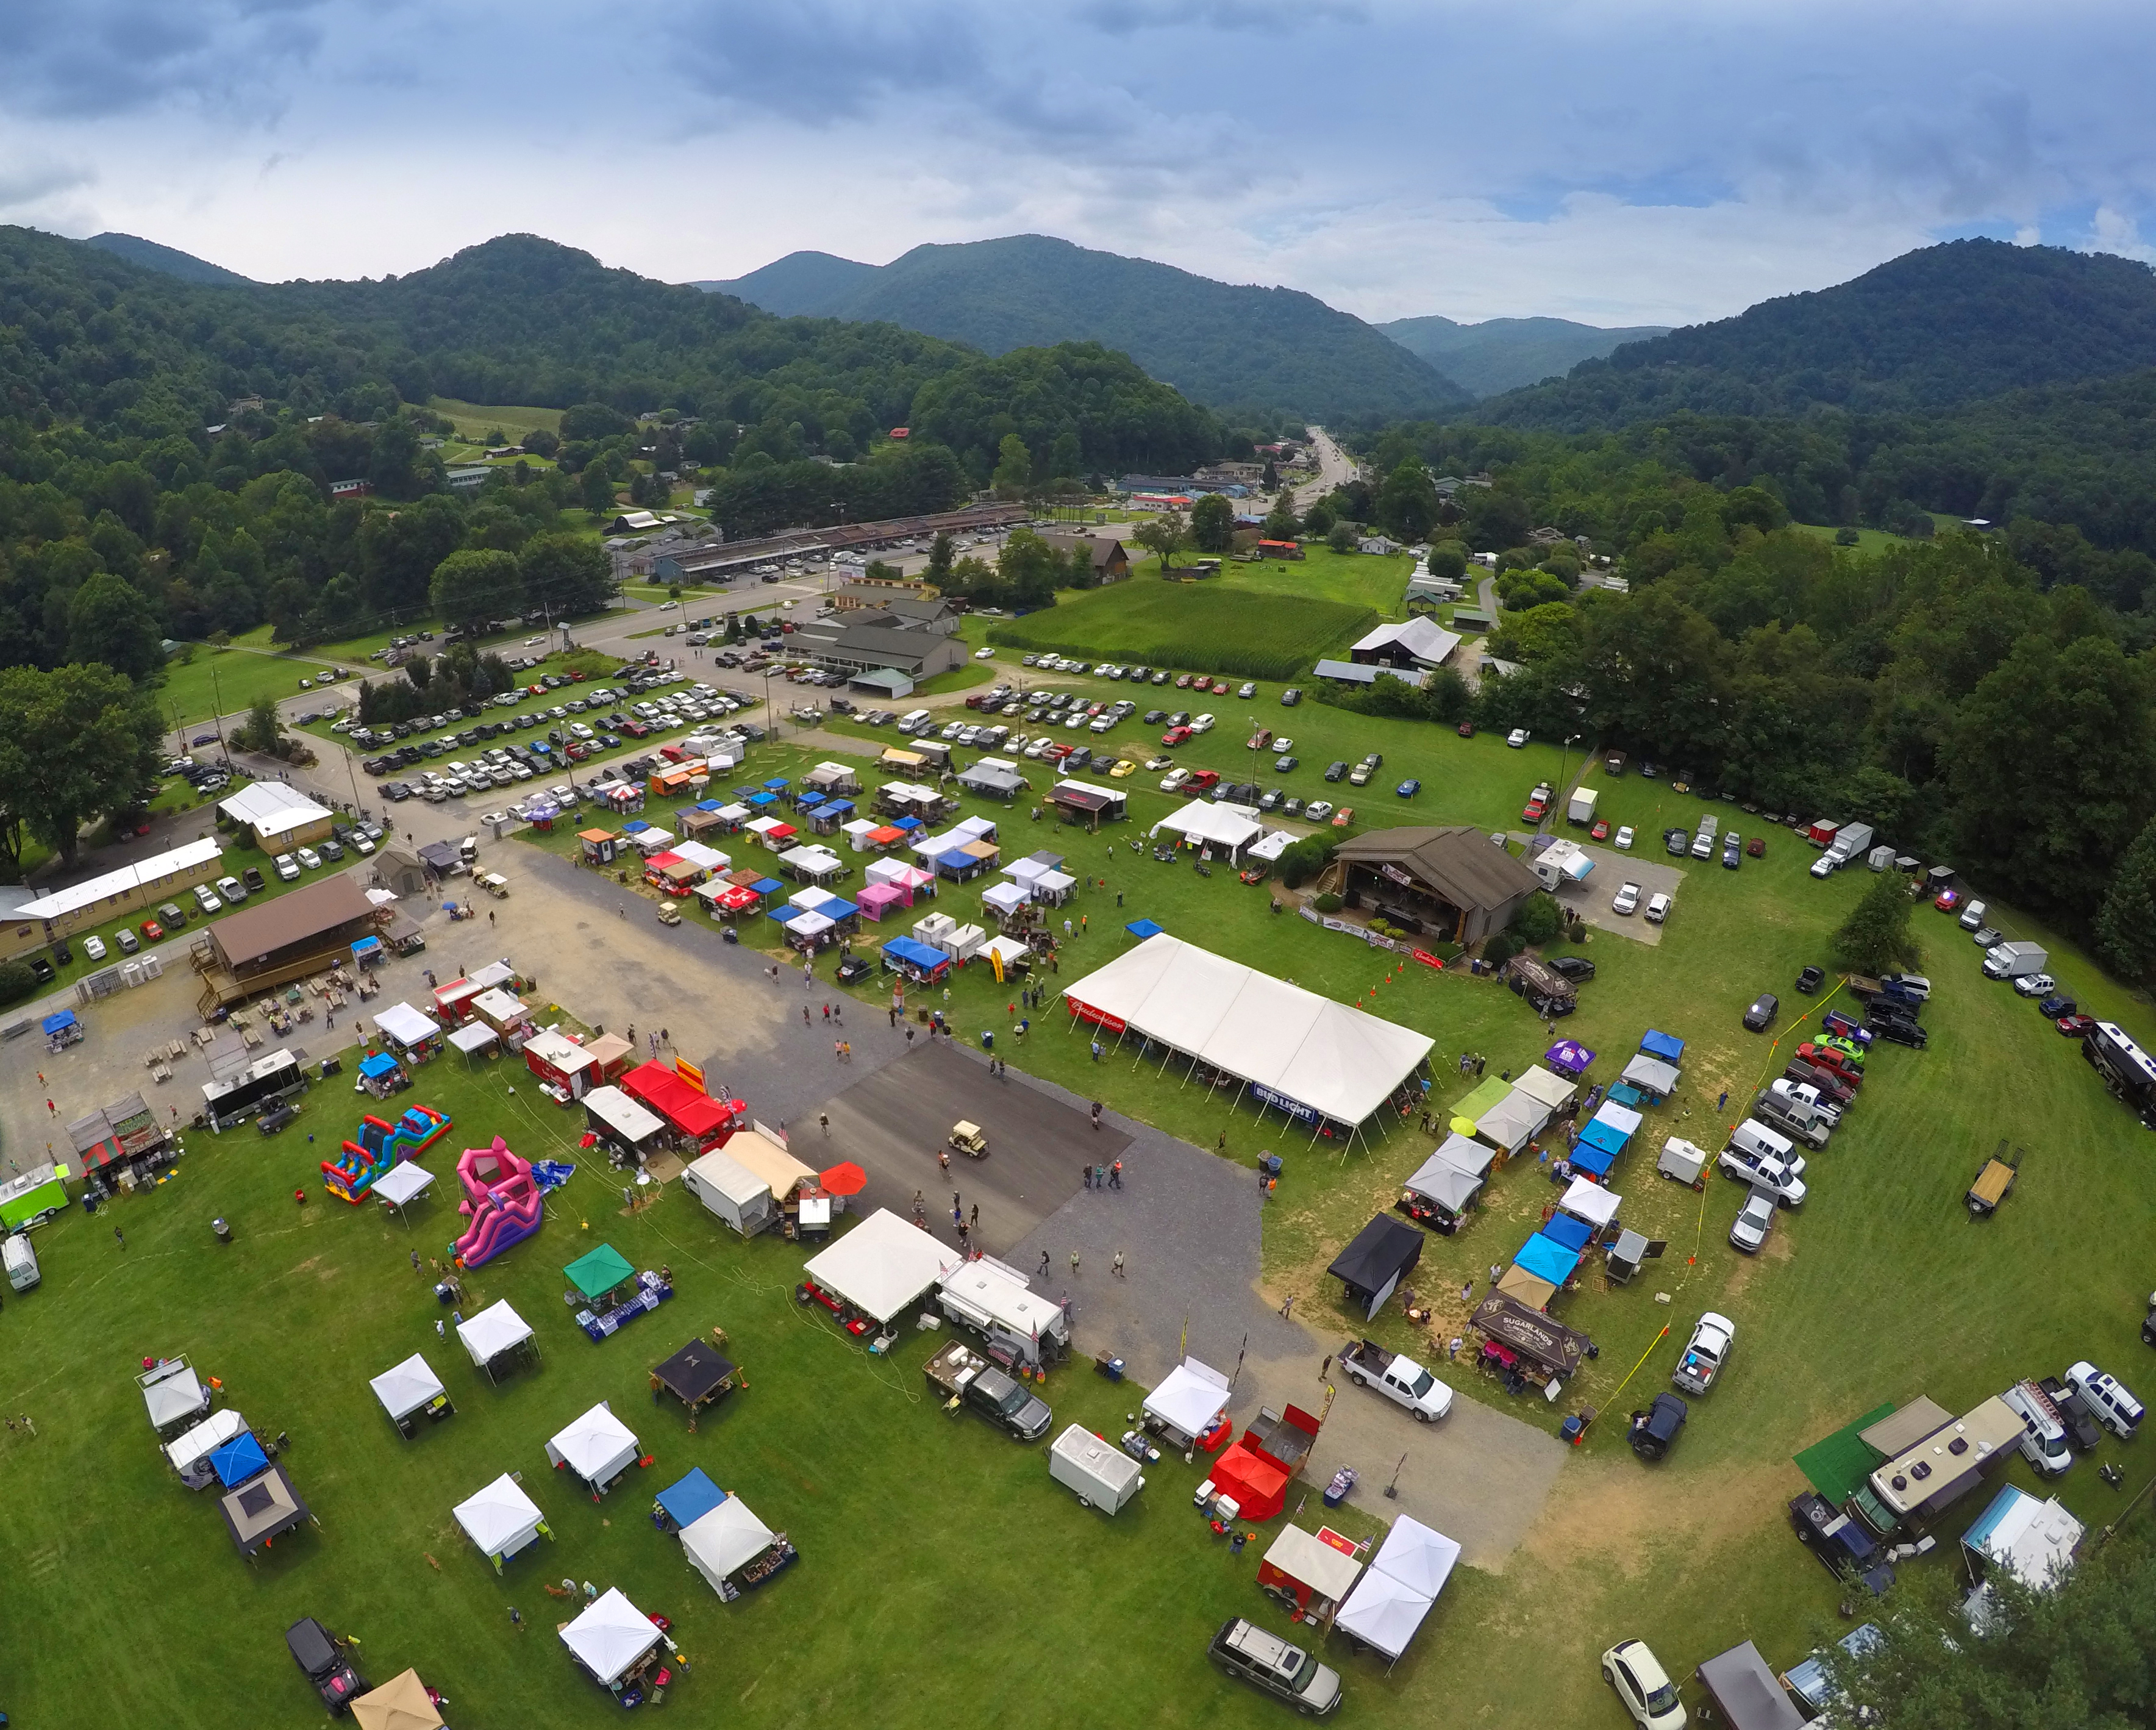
(261, 1510)
(1372, 1266)
(402, 1185)
(614, 1293)
(697, 1375)
(411, 1036)
(1397, 1590)
(1253, 1476)
(1663, 1046)
(686, 1501)
(624, 1125)
(598, 1448)
(1444, 1186)
(765, 1158)
(502, 1519)
(694, 1117)
(237, 1460)
(1513, 1122)
(729, 1189)
(173, 1394)
(1652, 1076)
(563, 1067)
(877, 1270)
(916, 961)
(1517, 1283)
(1745, 1691)
(818, 865)
(1189, 1408)
(1589, 1203)
(735, 1551)
(1548, 1089)
(1515, 1333)
(1311, 1572)
(408, 1389)
(1547, 1257)
(190, 1456)
(1568, 1057)
(381, 1074)
(497, 1339)
(474, 1037)
(618, 1646)
(403, 1702)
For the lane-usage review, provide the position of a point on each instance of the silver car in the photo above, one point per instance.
(1754, 1220)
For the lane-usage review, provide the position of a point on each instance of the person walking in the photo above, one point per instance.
(827, 1014)
(1287, 1304)
(1074, 1264)
(1115, 1175)
(1044, 1266)
(1467, 1293)
(823, 1119)
(1085, 1171)
(1452, 1351)
(977, 1216)
(415, 1262)
(804, 1016)
(120, 1237)
(1117, 1269)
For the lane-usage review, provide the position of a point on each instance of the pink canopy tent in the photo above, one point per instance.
(879, 898)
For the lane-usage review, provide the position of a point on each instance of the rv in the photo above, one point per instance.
(1922, 1480)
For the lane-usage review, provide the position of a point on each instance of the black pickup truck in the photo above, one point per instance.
(967, 1377)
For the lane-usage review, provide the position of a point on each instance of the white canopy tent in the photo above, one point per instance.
(610, 1636)
(1269, 846)
(1470, 1155)
(402, 1183)
(402, 1025)
(1403, 1581)
(599, 1447)
(1590, 1202)
(173, 1392)
(197, 1445)
(495, 1329)
(1304, 1555)
(1006, 950)
(1204, 824)
(1623, 1119)
(1297, 1048)
(883, 1266)
(500, 1519)
(1444, 1182)
(406, 1387)
(1005, 898)
(1514, 1122)
(726, 1540)
(473, 1037)
(1551, 1090)
(1650, 1074)
(1189, 1399)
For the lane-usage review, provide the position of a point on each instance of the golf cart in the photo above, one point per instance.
(670, 912)
(969, 1139)
(320, 1657)
(1992, 1184)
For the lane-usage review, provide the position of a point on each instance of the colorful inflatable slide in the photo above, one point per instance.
(380, 1146)
(502, 1199)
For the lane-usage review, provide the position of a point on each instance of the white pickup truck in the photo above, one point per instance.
(1400, 1379)
(1705, 1356)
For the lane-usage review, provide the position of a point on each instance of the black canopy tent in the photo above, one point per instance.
(1549, 1345)
(262, 1508)
(697, 1375)
(1372, 1265)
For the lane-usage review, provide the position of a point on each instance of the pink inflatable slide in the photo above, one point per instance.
(502, 1198)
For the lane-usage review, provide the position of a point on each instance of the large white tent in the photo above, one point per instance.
(610, 1636)
(500, 1519)
(1209, 825)
(1402, 1582)
(599, 1447)
(1296, 1048)
(725, 1540)
(493, 1330)
(404, 1389)
(883, 1266)
(1189, 1399)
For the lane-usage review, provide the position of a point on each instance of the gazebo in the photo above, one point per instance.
(697, 1375)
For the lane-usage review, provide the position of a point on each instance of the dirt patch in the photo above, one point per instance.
(1779, 1248)
(1609, 1507)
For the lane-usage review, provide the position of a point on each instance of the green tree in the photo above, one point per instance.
(263, 729)
(1342, 537)
(1281, 523)
(472, 589)
(1876, 937)
(1407, 503)
(73, 742)
(566, 574)
(1497, 518)
(1028, 568)
(1066, 459)
(1164, 537)
(595, 490)
(943, 553)
(1212, 523)
(2126, 924)
(1014, 473)
(110, 621)
(1539, 920)
(1448, 561)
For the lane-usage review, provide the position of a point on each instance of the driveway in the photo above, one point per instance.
(1591, 901)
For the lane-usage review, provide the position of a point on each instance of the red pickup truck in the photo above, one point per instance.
(1204, 781)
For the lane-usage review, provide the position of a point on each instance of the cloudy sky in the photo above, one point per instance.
(1613, 160)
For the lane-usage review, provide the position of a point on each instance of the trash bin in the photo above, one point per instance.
(223, 1229)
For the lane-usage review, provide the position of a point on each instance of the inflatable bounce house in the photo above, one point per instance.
(502, 1199)
(379, 1148)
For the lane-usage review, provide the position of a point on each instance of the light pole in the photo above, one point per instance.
(1563, 763)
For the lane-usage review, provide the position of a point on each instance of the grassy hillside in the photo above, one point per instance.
(1225, 345)
(1936, 327)
(1502, 354)
(1209, 627)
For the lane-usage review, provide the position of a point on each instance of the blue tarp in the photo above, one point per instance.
(59, 1023)
(381, 1064)
(1609, 1139)
(367, 945)
(709, 805)
(239, 1460)
(689, 1500)
(1546, 1259)
(1593, 1161)
(1142, 928)
(1662, 1045)
(1563, 1229)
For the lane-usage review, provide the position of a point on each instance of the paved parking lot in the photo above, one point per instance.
(1591, 900)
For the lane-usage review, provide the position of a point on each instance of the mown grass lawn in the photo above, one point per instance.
(476, 420)
(1210, 623)
(1355, 578)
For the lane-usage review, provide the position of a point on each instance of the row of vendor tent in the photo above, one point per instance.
(1508, 1115)
(576, 1066)
(1553, 1254)
(878, 1270)
(1450, 1177)
(1388, 1604)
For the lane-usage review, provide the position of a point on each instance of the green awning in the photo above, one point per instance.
(1491, 1094)
(599, 1273)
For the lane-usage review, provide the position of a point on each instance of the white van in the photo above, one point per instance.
(913, 721)
(21, 1261)
(2116, 1409)
(1754, 1138)
(2045, 1444)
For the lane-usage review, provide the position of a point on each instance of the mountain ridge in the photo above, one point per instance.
(1501, 354)
(166, 260)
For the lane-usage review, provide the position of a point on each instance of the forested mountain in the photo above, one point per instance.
(1501, 354)
(1946, 325)
(169, 260)
(1234, 348)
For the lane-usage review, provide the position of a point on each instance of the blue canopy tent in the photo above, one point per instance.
(959, 864)
(778, 783)
(1563, 1229)
(786, 914)
(634, 826)
(836, 910)
(1624, 1094)
(378, 1067)
(709, 805)
(238, 1459)
(1142, 928)
(688, 1499)
(1606, 1136)
(915, 959)
(367, 951)
(1591, 1160)
(55, 1025)
(761, 800)
(837, 807)
(1662, 1045)
(1546, 1258)
(908, 824)
(768, 886)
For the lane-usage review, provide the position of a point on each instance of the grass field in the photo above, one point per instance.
(237, 676)
(475, 420)
(1358, 579)
(1212, 624)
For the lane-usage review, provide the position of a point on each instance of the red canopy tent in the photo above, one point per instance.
(688, 1110)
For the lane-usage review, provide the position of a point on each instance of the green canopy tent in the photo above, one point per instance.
(599, 1272)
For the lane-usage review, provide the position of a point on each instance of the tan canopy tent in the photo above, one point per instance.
(1526, 1287)
(401, 1703)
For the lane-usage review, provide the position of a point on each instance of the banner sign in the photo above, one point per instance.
(690, 1073)
(1295, 1108)
(1396, 875)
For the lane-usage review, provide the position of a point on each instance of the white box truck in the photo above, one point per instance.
(1097, 1472)
(1581, 810)
(1850, 840)
(2011, 961)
